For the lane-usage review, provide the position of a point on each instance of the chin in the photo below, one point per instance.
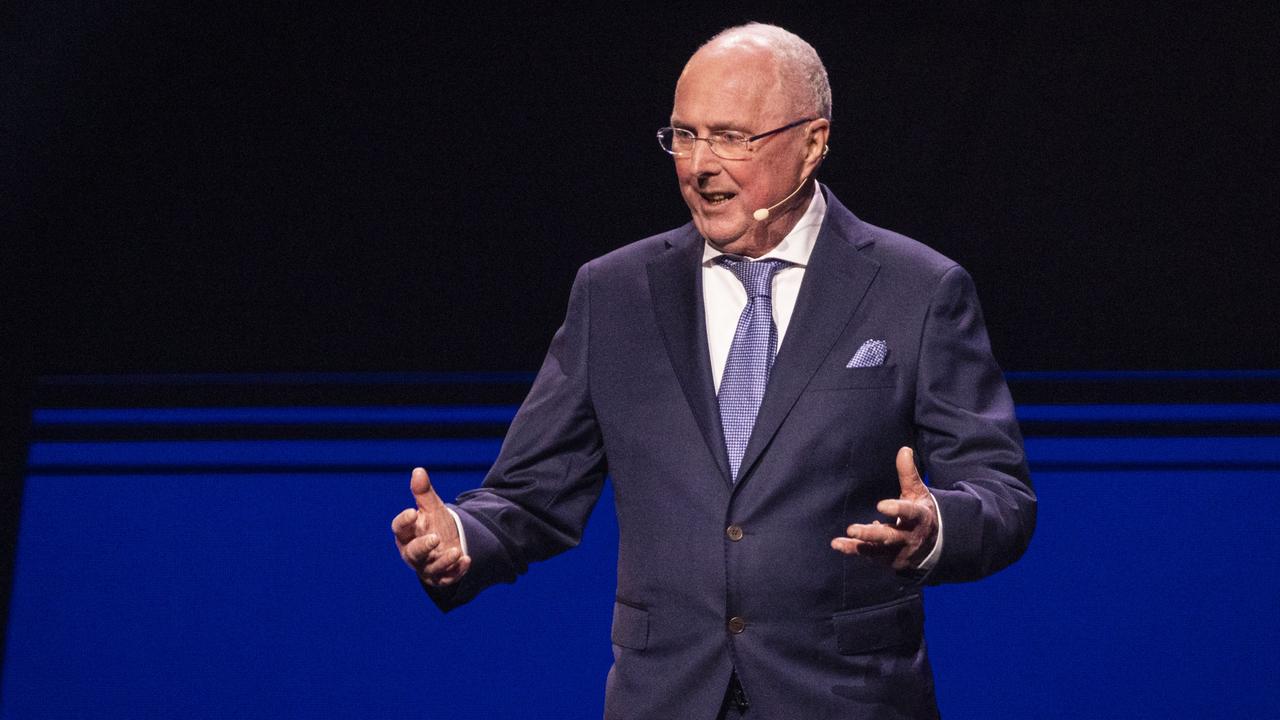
(721, 234)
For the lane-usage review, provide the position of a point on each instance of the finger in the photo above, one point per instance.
(403, 526)
(851, 546)
(848, 546)
(418, 550)
(877, 533)
(910, 512)
(423, 494)
(458, 570)
(909, 480)
(440, 550)
(454, 573)
(443, 562)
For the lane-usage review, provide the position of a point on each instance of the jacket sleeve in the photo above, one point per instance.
(969, 439)
(536, 499)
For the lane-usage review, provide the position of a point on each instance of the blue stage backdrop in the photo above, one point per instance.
(224, 551)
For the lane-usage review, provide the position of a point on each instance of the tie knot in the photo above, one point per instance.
(756, 276)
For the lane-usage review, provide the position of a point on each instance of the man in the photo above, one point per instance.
(774, 531)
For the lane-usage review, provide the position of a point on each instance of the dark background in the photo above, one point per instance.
(200, 188)
(208, 188)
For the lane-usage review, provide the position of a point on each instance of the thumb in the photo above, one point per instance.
(423, 494)
(909, 481)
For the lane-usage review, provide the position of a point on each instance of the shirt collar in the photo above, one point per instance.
(796, 247)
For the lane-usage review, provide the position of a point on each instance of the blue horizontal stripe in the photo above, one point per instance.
(1150, 413)
(503, 378)
(266, 453)
(436, 415)
(503, 414)
(1138, 375)
(296, 378)
(1155, 452)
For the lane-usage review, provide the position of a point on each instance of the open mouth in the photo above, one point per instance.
(717, 198)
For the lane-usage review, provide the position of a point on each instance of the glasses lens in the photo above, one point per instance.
(679, 142)
(674, 141)
(730, 146)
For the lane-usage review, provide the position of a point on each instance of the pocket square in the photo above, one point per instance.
(871, 354)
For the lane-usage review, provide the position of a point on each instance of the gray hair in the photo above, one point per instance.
(799, 67)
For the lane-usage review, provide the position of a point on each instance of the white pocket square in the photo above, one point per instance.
(871, 354)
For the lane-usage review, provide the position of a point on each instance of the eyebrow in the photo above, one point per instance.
(714, 127)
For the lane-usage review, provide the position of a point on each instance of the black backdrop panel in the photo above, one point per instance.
(208, 187)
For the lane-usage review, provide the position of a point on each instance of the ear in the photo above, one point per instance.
(817, 133)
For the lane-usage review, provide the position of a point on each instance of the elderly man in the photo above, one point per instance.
(760, 384)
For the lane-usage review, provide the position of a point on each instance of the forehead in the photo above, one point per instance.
(729, 88)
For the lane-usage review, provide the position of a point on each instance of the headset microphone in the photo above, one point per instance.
(763, 213)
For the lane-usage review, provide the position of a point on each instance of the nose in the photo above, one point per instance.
(701, 160)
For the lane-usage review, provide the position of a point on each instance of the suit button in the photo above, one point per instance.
(737, 625)
(734, 532)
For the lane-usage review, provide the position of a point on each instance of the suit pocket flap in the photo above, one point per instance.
(630, 626)
(841, 378)
(877, 627)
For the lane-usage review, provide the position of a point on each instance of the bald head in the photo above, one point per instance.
(797, 70)
(765, 89)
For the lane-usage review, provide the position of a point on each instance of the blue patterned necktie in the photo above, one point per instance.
(755, 342)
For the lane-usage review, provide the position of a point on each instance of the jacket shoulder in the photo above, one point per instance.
(629, 261)
(897, 252)
(892, 251)
(642, 251)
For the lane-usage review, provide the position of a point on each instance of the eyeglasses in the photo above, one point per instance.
(728, 144)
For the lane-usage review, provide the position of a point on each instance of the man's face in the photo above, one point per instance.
(737, 89)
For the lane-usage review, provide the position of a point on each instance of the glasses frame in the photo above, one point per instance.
(713, 141)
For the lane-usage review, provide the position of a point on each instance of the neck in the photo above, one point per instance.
(769, 233)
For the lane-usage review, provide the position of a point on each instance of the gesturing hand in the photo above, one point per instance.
(910, 539)
(427, 536)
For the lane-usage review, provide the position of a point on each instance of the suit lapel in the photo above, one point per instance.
(835, 282)
(675, 283)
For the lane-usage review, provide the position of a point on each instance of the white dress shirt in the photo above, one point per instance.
(724, 297)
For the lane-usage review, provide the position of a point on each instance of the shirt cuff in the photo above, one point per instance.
(462, 534)
(931, 559)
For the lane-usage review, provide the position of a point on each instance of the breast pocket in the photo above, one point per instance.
(842, 378)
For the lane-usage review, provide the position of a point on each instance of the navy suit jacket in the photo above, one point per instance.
(626, 390)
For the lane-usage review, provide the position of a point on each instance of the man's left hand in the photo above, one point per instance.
(908, 540)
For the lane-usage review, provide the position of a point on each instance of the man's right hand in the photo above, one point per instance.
(428, 537)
